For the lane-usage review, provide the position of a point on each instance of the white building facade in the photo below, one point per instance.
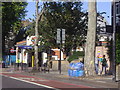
(118, 13)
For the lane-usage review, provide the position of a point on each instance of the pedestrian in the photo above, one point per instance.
(104, 64)
(18, 63)
(97, 64)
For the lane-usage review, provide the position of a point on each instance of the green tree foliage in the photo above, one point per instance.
(117, 48)
(12, 14)
(76, 55)
(67, 15)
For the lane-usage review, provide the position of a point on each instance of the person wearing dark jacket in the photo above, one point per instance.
(104, 64)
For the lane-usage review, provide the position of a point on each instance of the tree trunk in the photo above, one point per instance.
(38, 17)
(91, 38)
(36, 40)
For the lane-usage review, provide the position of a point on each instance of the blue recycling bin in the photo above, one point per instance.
(80, 73)
(70, 72)
(78, 69)
(75, 73)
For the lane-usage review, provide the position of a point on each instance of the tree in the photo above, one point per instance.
(91, 39)
(12, 14)
(38, 17)
(117, 48)
(67, 15)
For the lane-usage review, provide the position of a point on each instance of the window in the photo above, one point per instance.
(117, 8)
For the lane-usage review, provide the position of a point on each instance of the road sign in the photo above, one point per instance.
(12, 50)
(60, 40)
(25, 47)
(60, 35)
(63, 34)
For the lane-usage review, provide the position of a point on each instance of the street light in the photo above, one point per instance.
(114, 37)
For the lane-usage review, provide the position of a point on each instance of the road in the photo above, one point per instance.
(13, 83)
(17, 80)
(52, 84)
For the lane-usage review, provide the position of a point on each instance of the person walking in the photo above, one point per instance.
(104, 64)
(18, 63)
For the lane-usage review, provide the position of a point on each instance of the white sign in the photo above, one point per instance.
(60, 35)
(31, 40)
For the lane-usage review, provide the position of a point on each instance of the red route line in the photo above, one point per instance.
(50, 83)
(20, 75)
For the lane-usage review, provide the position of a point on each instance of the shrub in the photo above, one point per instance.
(76, 55)
(117, 49)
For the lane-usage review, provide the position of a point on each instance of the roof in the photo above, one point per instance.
(21, 43)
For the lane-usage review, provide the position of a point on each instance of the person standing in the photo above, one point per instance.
(104, 64)
(97, 64)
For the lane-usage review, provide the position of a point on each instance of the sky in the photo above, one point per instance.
(101, 7)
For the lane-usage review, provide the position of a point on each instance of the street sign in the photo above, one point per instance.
(25, 47)
(63, 35)
(12, 50)
(58, 35)
(60, 40)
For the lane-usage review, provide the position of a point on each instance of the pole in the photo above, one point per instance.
(114, 40)
(9, 59)
(36, 60)
(32, 61)
(60, 50)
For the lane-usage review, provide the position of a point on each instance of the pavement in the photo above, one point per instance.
(64, 79)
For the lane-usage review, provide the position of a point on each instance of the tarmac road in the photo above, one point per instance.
(43, 80)
(13, 83)
(52, 84)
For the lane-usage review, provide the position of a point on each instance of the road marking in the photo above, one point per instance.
(101, 81)
(32, 79)
(31, 82)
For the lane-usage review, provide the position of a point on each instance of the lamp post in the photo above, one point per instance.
(114, 37)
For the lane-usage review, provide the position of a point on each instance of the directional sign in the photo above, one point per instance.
(58, 35)
(63, 35)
